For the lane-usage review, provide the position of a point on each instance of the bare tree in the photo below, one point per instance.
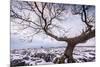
(46, 13)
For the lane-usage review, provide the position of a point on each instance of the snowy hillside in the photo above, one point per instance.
(41, 56)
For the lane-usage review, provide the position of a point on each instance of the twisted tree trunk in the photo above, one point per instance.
(72, 42)
(68, 53)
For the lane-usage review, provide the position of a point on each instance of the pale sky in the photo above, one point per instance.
(73, 23)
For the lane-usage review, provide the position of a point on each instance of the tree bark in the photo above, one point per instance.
(69, 52)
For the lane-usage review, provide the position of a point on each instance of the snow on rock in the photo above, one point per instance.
(35, 56)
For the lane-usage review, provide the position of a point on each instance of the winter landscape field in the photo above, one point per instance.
(43, 56)
(44, 33)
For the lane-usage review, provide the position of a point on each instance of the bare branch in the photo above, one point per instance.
(47, 12)
(15, 15)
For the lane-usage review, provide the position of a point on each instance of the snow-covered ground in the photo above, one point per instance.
(41, 56)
